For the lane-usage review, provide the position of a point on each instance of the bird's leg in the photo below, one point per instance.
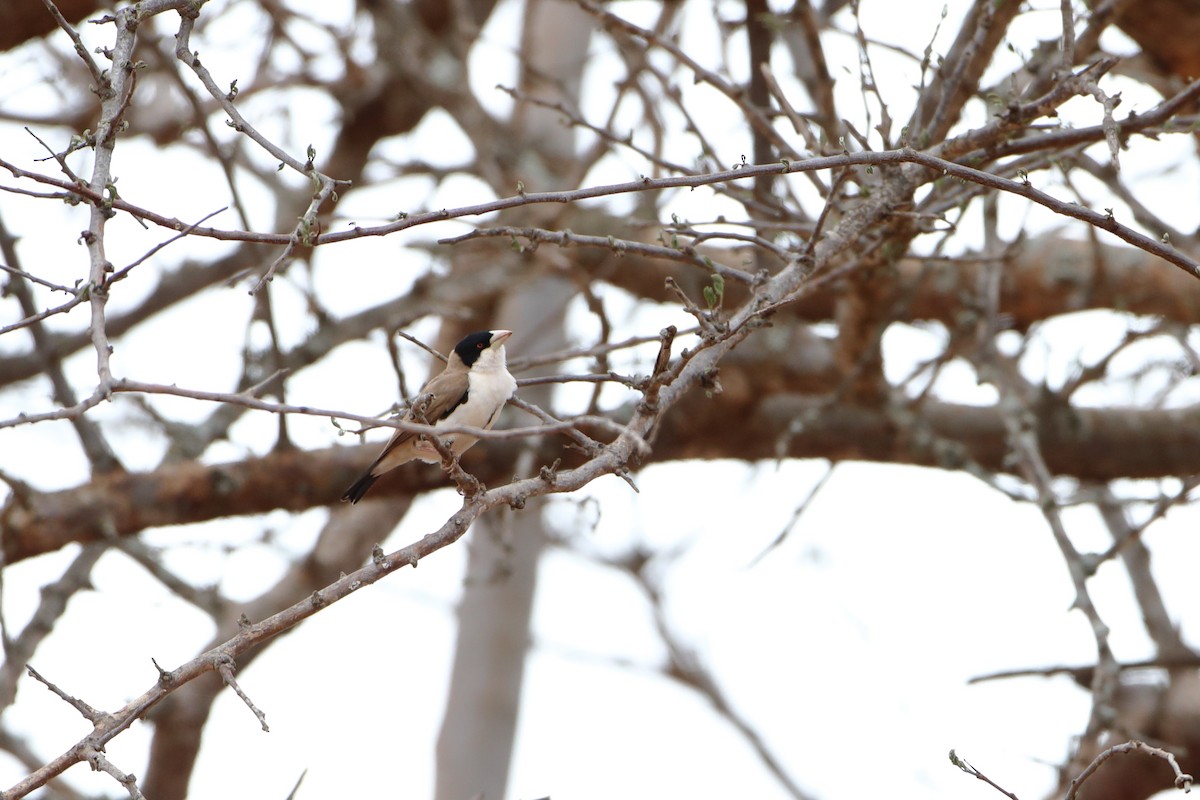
(468, 485)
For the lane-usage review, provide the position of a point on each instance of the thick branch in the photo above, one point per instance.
(1091, 444)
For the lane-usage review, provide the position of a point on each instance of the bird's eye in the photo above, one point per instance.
(480, 345)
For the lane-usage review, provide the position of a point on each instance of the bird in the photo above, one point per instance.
(469, 392)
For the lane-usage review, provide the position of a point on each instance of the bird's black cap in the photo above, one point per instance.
(472, 345)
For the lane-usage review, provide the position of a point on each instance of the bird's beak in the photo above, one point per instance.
(498, 337)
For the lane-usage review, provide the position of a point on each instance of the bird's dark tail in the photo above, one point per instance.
(359, 487)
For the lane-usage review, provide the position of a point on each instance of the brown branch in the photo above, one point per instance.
(1090, 444)
(1182, 780)
(179, 723)
(1082, 674)
(51, 606)
(747, 172)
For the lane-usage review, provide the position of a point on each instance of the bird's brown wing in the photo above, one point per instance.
(446, 392)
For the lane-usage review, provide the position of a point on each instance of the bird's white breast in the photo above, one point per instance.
(488, 387)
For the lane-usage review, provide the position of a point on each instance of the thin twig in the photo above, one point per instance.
(408, 337)
(81, 50)
(86, 711)
(966, 767)
(225, 670)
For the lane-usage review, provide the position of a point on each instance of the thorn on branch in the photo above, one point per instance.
(165, 678)
(549, 474)
(624, 474)
(666, 338)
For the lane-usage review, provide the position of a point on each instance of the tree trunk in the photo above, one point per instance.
(478, 734)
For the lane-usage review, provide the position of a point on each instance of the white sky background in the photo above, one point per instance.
(849, 646)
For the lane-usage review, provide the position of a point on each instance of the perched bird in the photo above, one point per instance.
(469, 393)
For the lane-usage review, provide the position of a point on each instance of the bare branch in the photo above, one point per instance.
(968, 768)
(225, 668)
(1182, 780)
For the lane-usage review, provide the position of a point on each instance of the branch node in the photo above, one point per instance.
(165, 677)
